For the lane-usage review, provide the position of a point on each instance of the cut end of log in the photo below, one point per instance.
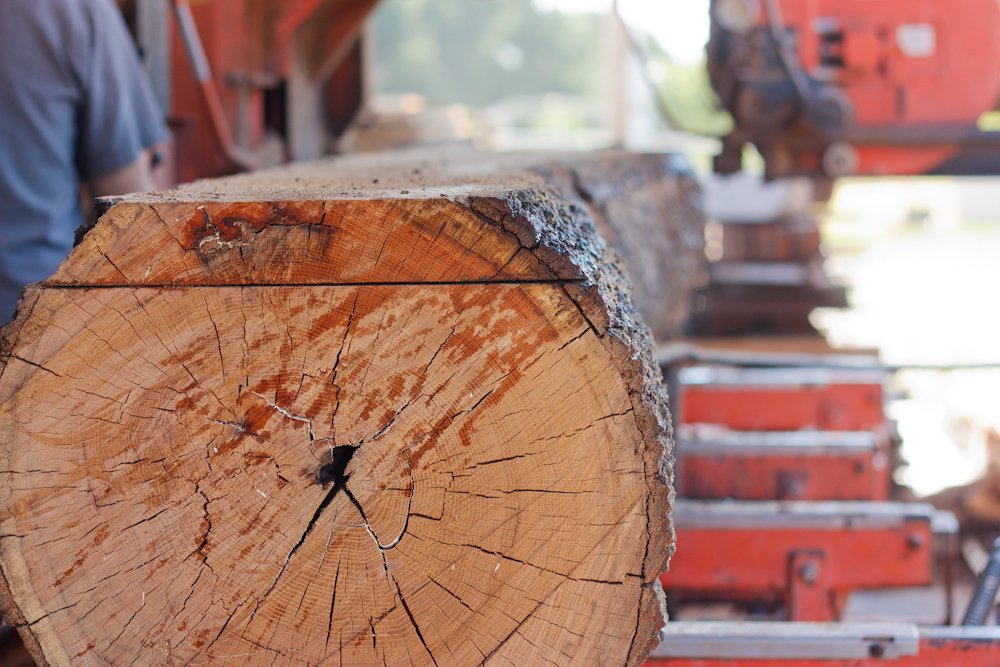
(299, 428)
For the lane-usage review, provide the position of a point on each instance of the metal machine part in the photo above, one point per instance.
(985, 591)
(206, 84)
(780, 465)
(251, 83)
(725, 644)
(824, 515)
(786, 641)
(739, 16)
(806, 557)
(781, 399)
(834, 88)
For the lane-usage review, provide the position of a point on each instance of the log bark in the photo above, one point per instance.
(309, 417)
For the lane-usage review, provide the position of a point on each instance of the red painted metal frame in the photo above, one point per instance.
(755, 564)
(296, 12)
(776, 477)
(953, 85)
(783, 240)
(932, 653)
(833, 407)
(206, 84)
(248, 37)
(232, 37)
(957, 79)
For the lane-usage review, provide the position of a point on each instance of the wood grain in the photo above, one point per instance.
(364, 430)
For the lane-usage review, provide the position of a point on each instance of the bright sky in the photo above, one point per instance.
(680, 26)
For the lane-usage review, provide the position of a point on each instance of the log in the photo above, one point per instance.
(378, 410)
(648, 209)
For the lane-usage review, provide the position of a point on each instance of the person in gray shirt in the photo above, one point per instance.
(75, 105)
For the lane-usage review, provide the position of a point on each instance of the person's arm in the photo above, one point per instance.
(134, 177)
(120, 122)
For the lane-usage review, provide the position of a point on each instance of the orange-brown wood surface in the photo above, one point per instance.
(365, 429)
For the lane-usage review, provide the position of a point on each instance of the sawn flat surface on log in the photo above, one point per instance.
(294, 419)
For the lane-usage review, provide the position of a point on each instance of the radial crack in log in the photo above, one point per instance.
(277, 419)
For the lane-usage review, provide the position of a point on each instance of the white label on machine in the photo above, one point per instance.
(916, 40)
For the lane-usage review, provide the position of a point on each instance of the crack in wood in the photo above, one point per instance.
(333, 596)
(288, 415)
(332, 471)
(416, 627)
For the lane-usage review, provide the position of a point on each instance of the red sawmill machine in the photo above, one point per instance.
(822, 88)
(784, 458)
(784, 455)
(251, 83)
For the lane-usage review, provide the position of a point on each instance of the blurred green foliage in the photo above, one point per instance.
(688, 95)
(685, 94)
(476, 52)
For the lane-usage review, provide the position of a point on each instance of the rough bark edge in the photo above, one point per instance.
(12, 616)
(12, 330)
(634, 172)
(559, 229)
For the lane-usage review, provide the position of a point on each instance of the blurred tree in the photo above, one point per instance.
(687, 93)
(476, 52)
(684, 92)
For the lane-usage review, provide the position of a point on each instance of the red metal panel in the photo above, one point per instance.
(776, 477)
(834, 407)
(745, 564)
(893, 161)
(231, 42)
(246, 40)
(951, 79)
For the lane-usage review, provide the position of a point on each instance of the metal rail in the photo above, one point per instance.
(677, 354)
